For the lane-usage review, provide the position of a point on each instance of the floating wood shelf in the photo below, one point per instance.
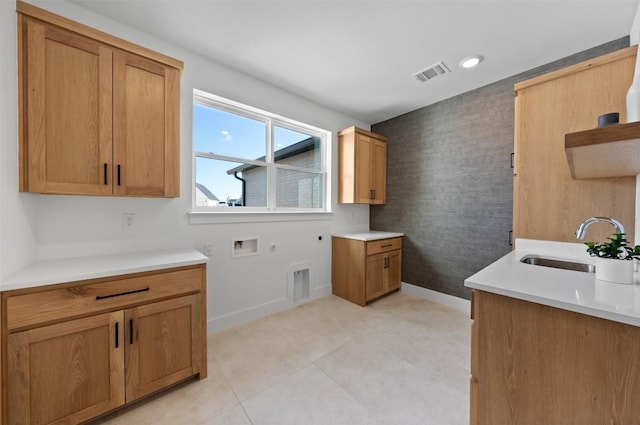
(612, 151)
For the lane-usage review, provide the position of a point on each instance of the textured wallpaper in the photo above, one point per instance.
(450, 182)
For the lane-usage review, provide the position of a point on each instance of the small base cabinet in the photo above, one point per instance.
(533, 364)
(80, 350)
(362, 271)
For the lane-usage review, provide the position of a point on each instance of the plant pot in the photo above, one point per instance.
(612, 270)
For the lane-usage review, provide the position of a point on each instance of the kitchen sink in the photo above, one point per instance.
(536, 260)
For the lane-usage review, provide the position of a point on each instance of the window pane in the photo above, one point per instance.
(217, 185)
(296, 149)
(296, 189)
(225, 133)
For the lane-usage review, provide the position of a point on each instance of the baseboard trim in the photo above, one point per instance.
(438, 297)
(230, 320)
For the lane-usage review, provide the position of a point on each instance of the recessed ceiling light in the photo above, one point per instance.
(470, 62)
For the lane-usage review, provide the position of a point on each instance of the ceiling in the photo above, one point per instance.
(358, 57)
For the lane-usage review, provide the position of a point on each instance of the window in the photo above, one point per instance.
(250, 160)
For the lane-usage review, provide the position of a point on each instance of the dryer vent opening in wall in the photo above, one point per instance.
(298, 278)
(300, 285)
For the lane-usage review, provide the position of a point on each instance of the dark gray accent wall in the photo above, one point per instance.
(450, 182)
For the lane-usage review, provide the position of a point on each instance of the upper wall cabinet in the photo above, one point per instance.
(98, 115)
(362, 167)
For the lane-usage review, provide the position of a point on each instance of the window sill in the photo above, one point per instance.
(221, 217)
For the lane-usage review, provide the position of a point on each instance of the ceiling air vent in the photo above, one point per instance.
(431, 72)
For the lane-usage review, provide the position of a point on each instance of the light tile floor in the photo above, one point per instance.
(400, 361)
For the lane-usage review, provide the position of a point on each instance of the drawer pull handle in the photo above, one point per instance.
(102, 297)
(117, 335)
(386, 246)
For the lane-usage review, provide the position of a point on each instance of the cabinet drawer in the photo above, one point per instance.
(57, 304)
(383, 245)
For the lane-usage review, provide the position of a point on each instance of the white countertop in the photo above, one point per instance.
(370, 235)
(570, 290)
(74, 269)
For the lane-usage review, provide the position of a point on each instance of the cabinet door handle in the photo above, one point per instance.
(105, 173)
(135, 291)
(118, 174)
(374, 194)
(117, 335)
(386, 262)
(130, 331)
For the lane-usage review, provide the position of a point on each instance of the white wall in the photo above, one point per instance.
(634, 34)
(17, 211)
(36, 227)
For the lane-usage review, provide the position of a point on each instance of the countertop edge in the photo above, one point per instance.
(50, 272)
(371, 235)
(574, 291)
(588, 311)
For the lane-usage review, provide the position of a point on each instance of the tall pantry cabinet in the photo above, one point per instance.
(549, 203)
(98, 115)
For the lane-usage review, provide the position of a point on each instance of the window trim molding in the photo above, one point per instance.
(213, 217)
(272, 120)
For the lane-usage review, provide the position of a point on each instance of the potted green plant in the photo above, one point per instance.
(614, 259)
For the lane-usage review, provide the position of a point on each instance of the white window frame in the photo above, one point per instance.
(271, 120)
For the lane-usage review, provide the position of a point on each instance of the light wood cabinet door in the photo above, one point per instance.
(68, 372)
(363, 167)
(375, 283)
(383, 273)
(68, 113)
(379, 172)
(163, 343)
(393, 272)
(146, 122)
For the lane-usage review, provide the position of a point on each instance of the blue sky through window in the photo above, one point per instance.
(224, 133)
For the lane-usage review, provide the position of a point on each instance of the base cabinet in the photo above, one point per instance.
(78, 368)
(533, 364)
(362, 271)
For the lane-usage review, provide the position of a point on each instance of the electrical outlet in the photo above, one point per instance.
(127, 220)
(208, 249)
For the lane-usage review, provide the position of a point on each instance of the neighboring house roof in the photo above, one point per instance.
(206, 192)
(292, 150)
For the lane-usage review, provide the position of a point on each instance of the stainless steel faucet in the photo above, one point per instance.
(588, 222)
